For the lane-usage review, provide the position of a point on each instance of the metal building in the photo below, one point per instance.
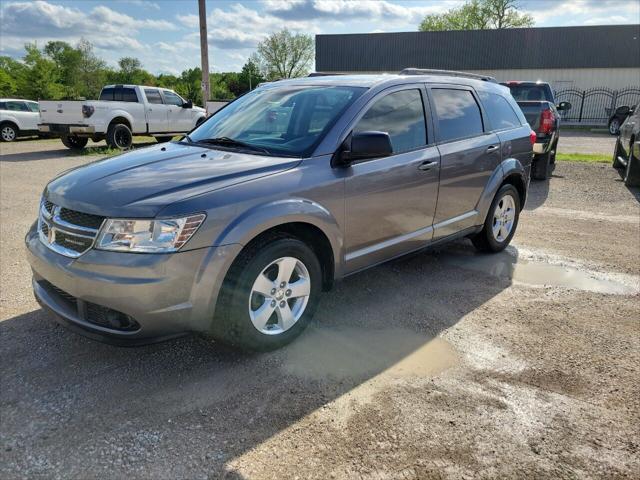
(581, 58)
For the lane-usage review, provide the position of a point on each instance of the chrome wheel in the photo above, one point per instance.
(8, 133)
(279, 296)
(614, 126)
(503, 218)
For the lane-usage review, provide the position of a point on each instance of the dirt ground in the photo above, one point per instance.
(446, 364)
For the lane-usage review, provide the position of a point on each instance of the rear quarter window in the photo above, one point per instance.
(106, 94)
(125, 94)
(501, 115)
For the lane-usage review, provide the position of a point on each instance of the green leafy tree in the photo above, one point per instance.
(285, 55)
(478, 15)
(92, 71)
(12, 76)
(250, 76)
(43, 76)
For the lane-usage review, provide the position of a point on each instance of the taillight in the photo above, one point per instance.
(547, 121)
(532, 137)
(87, 110)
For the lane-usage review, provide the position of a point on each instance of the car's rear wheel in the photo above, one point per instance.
(541, 167)
(632, 172)
(614, 126)
(119, 136)
(501, 222)
(74, 142)
(8, 132)
(269, 295)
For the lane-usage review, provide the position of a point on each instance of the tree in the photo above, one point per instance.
(43, 76)
(478, 15)
(286, 55)
(251, 75)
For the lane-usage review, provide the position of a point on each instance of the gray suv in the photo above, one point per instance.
(237, 229)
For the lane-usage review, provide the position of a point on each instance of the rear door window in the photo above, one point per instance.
(107, 94)
(153, 95)
(125, 94)
(458, 114)
(17, 107)
(500, 113)
(33, 106)
(401, 115)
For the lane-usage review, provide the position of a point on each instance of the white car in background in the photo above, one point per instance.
(18, 117)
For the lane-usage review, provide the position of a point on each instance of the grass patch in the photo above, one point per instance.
(583, 157)
(101, 150)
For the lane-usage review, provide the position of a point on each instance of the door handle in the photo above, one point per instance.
(424, 166)
(492, 148)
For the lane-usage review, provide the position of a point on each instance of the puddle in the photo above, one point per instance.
(359, 354)
(510, 265)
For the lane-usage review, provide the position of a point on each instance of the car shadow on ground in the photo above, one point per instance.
(189, 407)
(537, 194)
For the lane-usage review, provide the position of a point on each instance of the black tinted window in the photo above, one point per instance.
(401, 115)
(124, 94)
(17, 106)
(106, 94)
(458, 114)
(529, 93)
(500, 113)
(153, 95)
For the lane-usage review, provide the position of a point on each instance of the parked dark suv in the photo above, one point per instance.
(236, 229)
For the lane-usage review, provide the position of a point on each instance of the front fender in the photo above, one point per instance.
(508, 167)
(261, 218)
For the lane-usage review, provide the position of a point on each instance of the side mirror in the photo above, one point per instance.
(364, 145)
(623, 111)
(564, 106)
(188, 104)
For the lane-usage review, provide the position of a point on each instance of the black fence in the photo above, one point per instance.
(594, 106)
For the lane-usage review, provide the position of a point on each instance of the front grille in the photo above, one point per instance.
(73, 242)
(65, 231)
(82, 219)
(61, 295)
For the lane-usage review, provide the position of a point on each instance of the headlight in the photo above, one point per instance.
(148, 236)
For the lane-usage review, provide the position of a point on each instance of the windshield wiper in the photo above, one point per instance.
(231, 142)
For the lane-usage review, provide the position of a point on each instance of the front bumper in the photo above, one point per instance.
(167, 295)
(64, 129)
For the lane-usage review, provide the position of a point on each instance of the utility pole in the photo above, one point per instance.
(204, 51)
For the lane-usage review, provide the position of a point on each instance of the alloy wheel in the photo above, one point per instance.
(613, 127)
(503, 218)
(8, 134)
(279, 296)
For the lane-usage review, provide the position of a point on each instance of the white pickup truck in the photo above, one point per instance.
(121, 112)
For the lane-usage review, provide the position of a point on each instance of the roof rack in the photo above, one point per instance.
(449, 73)
(323, 74)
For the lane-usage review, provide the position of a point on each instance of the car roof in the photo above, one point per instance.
(384, 80)
(17, 100)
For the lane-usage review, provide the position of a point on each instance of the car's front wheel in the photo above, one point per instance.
(501, 222)
(269, 296)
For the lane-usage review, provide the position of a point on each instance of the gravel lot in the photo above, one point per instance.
(581, 141)
(446, 364)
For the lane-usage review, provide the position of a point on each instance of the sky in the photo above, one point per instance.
(164, 34)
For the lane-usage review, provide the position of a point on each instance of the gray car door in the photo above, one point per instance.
(469, 155)
(390, 202)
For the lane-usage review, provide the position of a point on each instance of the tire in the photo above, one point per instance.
(614, 126)
(74, 142)
(632, 172)
(8, 132)
(616, 153)
(119, 136)
(200, 121)
(487, 240)
(164, 139)
(541, 167)
(238, 322)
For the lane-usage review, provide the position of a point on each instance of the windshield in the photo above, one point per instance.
(287, 120)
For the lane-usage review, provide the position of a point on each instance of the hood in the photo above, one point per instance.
(141, 183)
